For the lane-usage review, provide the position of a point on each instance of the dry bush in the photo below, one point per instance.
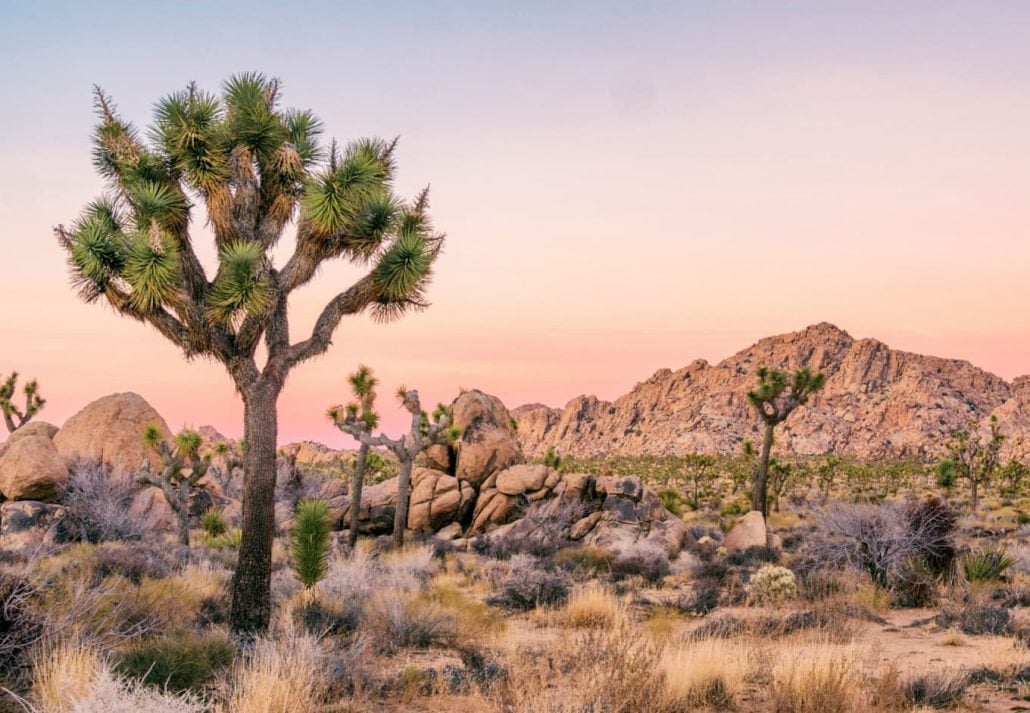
(642, 559)
(527, 586)
(396, 619)
(815, 678)
(705, 674)
(593, 605)
(407, 569)
(937, 689)
(603, 671)
(285, 673)
(98, 505)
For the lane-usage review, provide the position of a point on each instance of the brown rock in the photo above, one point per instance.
(29, 526)
(520, 479)
(150, 508)
(32, 469)
(111, 430)
(438, 457)
(748, 532)
(488, 443)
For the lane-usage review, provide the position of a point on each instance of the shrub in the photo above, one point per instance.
(98, 505)
(915, 584)
(703, 598)
(213, 522)
(586, 558)
(530, 588)
(986, 564)
(939, 689)
(975, 619)
(309, 541)
(394, 620)
(643, 560)
(185, 662)
(772, 584)
(21, 624)
(229, 538)
(752, 556)
(135, 561)
(672, 501)
(593, 605)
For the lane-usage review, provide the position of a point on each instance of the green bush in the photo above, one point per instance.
(186, 662)
(673, 501)
(987, 564)
(229, 538)
(586, 558)
(213, 522)
(310, 541)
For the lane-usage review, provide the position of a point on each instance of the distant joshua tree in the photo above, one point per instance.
(972, 457)
(361, 412)
(700, 470)
(15, 417)
(256, 168)
(173, 479)
(775, 399)
(422, 434)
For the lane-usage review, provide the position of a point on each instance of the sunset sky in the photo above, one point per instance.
(624, 186)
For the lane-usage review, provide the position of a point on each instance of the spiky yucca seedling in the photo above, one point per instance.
(309, 541)
(14, 416)
(775, 398)
(987, 564)
(255, 168)
(213, 522)
(422, 434)
(182, 468)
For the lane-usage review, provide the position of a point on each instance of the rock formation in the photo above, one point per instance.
(110, 430)
(878, 402)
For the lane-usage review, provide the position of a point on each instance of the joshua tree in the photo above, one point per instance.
(14, 417)
(256, 168)
(423, 433)
(174, 482)
(828, 471)
(362, 413)
(775, 399)
(973, 458)
(230, 455)
(699, 470)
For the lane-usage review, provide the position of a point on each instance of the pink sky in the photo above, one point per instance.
(609, 212)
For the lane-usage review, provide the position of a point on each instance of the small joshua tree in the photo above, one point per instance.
(775, 399)
(972, 457)
(309, 542)
(15, 417)
(175, 483)
(700, 471)
(230, 459)
(423, 433)
(362, 412)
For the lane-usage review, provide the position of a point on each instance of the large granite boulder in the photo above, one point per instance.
(488, 442)
(32, 469)
(748, 532)
(110, 430)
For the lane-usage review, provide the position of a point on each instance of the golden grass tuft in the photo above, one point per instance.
(284, 674)
(709, 673)
(594, 605)
(816, 677)
(63, 674)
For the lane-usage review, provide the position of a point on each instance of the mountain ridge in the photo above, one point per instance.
(878, 402)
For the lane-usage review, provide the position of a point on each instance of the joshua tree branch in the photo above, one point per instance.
(359, 296)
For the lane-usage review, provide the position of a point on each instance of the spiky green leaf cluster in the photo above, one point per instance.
(240, 286)
(152, 435)
(188, 443)
(152, 269)
(309, 543)
(352, 199)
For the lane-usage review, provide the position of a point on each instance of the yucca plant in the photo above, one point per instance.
(213, 522)
(182, 468)
(309, 541)
(14, 416)
(424, 432)
(256, 168)
(774, 399)
(987, 564)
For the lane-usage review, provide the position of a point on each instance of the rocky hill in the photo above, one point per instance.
(877, 402)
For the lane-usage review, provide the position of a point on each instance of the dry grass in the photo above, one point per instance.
(815, 677)
(706, 674)
(594, 605)
(284, 674)
(64, 673)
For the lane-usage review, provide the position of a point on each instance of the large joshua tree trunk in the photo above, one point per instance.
(251, 593)
(355, 501)
(400, 516)
(759, 500)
